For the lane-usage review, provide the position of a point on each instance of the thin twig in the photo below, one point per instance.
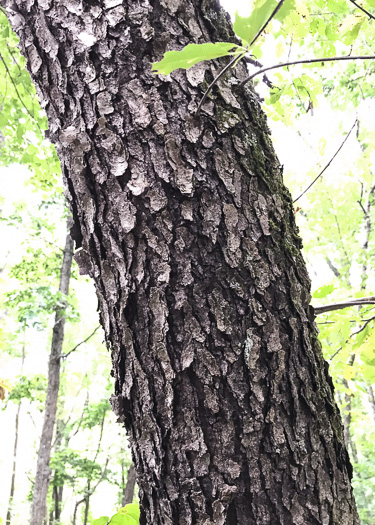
(64, 356)
(18, 95)
(364, 211)
(346, 304)
(335, 354)
(307, 61)
(327, 165)
(362, 9)
(215, 80)
(268, 21)
(367, 321)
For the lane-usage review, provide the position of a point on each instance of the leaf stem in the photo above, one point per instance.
(307, 61)
(215, 80)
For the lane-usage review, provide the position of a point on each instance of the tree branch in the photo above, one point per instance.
(329, 163)
(64, 356)
(307, 61)
(362, 9)
(366, 322)
(347, 304)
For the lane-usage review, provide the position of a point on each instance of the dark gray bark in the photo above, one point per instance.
(43, 472)
(189, 234)
(131, 479)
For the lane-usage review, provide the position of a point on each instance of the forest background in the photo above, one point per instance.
(321, 117)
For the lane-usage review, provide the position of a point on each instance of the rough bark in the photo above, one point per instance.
(131, 479)
(189, 234)
(42, 477)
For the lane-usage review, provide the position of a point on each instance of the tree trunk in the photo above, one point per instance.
(131, 479)
(13, 482)
(58, 490)
(189, 234)
(39, 504)
(8, 518)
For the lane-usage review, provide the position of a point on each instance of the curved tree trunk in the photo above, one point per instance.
(189, 234)
(42, 477)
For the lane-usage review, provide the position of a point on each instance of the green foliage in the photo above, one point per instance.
(323, 291)
(68, 466)
(94, 413)
(31, 388)
(128, 515)
(194, 53)
(247, 28)
(22, 121)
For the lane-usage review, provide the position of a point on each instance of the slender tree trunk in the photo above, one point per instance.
(13, 482)
(39, 504)
(14, 466)
(189, 233)
(87, 504)
(58, 491)
(371, 397)
(131, 479)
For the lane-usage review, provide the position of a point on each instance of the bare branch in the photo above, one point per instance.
(362, 9)
(367, 321)
(329, 163)
(307, 61)
(347, 304)
(364, 211)
(64, 356)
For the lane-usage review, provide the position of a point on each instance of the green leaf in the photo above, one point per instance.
(248, 27)
(323, 291)
(192, 54)
(132, 509)
(100, 521)
(287, 7)
(338, 6)
(123, 519)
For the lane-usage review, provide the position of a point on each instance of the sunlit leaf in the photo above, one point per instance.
(248, 27)
(192, 54)
(132, 509)
(123, 519)
(323, 291)
(100, 521)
